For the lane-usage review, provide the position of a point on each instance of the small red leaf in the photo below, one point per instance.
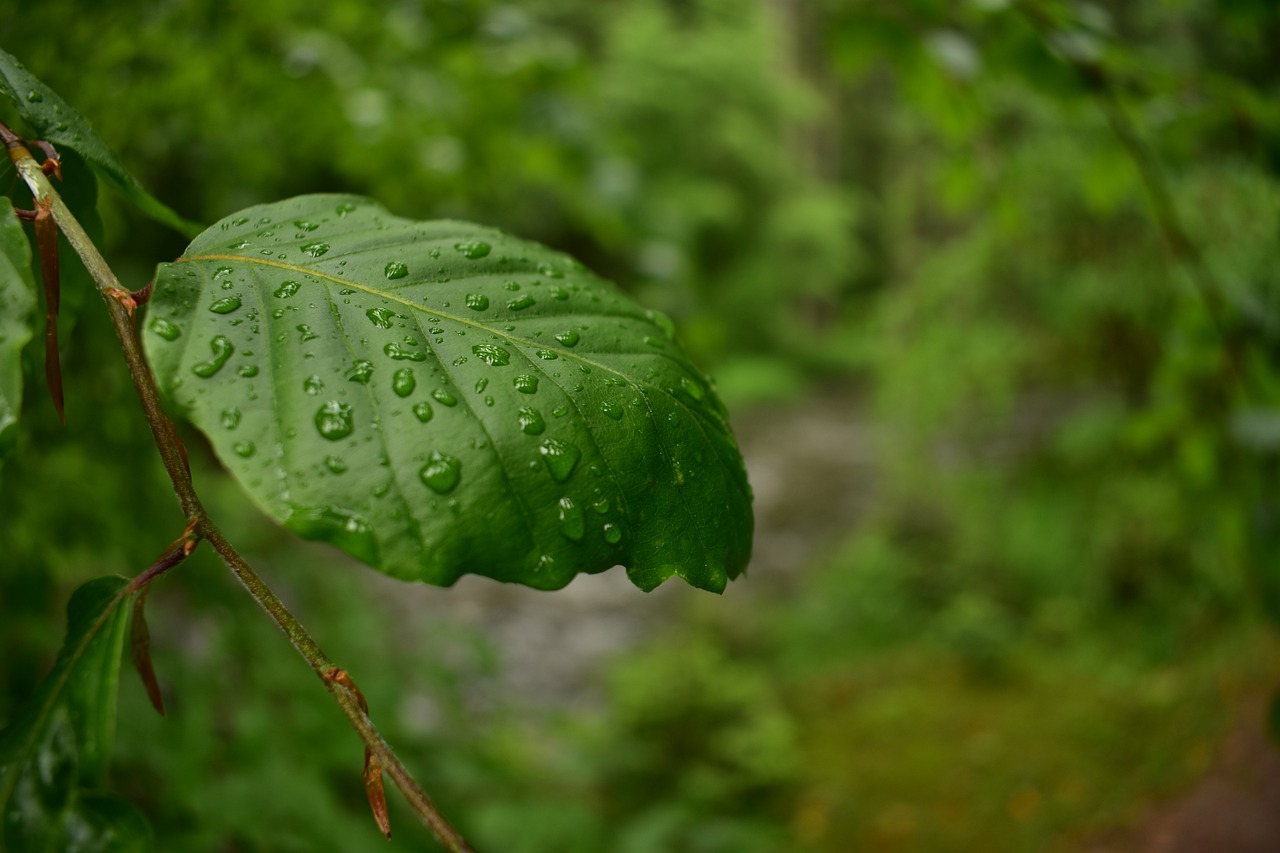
(142, 652)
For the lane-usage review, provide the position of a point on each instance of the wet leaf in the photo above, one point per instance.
(53, 120)
(17, 307)
(439, 398)
(53, 755)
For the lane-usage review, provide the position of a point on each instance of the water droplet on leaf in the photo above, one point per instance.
(222, 349)
(243, 449)
(286, 289)
(165, 329)
(477, 301)
(334, 464)
(526, 383)
(521, 303)
(691, 390)
(569, 338)
(491, 354)
(560, 458)
(225, 305)
(472, 249)
(612, 534)
(402, 382)
(344, 528)
(395, 270)
(444, 398)
(531, 422)
(422, 411)
(399, 353)
(333, 420)
(313, 385)
(441, 473)
(230, 418)
(613, 410)
(315, 250)
(572, 524)
(380, 317)
(361, 371)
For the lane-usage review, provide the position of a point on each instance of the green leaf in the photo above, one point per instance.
(53, 120)
(439, 398)
(54, 754)
(17, 308)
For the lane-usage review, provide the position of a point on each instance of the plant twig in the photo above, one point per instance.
(1182, 248)
(120, 308)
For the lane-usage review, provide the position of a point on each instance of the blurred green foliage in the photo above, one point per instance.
(1076, 529)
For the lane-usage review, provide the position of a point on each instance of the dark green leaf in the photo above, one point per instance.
(17, 307)
(53, 120)
(439, 398)
(54, 753)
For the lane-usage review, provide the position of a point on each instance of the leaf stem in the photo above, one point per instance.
(120, 308)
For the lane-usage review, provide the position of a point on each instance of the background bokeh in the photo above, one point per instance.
(992, 289)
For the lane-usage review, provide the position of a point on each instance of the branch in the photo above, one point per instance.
(1182, 248)
(120, 308)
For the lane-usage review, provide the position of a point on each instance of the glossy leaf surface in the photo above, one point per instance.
(55, 752)
(17, 306)
(439, 398)
(53, 120)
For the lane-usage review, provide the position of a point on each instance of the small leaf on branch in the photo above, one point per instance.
(54, 754)
(17, 305)
(141, 644)
(439, 398)
(54, 120)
